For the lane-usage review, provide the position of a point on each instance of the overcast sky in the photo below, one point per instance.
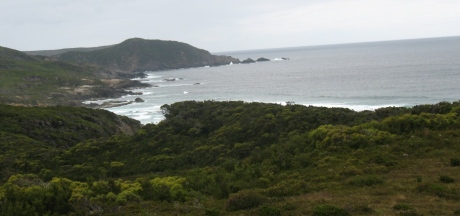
(217, 25)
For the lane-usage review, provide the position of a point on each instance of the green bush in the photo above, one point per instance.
(245, 200)
(457, 212)
(455, 162)
(362, 181)
(288, 207)
(267, 210)
(446, 179)
(410, 213)
(402, 207)
(212, 212)
(329, 210)
(287, 188)
(439, 190)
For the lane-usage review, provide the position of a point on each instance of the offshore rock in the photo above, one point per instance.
(247, 61)
(262, 59)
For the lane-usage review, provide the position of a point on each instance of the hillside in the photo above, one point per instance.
(37, 80)
(7, 54)
(31, 136)
(50, 53)
(237, 158)
(73, 75)
(139, 55)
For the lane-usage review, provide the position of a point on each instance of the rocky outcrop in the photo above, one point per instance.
(262, 59)
(247, 61)
(139, 100)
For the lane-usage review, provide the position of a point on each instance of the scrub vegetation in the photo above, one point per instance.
(231, 158)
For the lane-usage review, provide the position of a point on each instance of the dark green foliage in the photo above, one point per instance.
(253, 156)
(329, 210)
(455, 162)
(287, 188)
(402, 207)
(288, 207)
(267, 210)
(446, 179)
(62, 127)
(212, 212)
(457, 212)
(33, 137)
(439, 190)
(362, 181)
(245, 200)
(410, 213)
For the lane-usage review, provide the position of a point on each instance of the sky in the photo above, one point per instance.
(218, 25)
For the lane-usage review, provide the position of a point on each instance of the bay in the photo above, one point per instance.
(361, 76)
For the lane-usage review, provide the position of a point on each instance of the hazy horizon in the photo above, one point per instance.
(269, 48)
(222, 26)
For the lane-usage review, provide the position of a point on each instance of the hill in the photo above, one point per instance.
(237, 158)
(38, 80)
(69, 76)
(139, 55)
(7, 54)
(50, 53)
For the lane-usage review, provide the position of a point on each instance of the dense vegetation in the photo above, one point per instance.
(233, 158)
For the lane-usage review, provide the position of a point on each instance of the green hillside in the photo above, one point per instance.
(50, 53)
(237, 158)
(74, 75)
(138, 55)
(35, 80)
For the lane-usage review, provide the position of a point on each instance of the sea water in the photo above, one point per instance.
(361, 76)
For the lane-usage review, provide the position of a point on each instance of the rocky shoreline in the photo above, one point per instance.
(116, 88)
(111, 88)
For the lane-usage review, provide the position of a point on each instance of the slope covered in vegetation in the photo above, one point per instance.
(139, 55)
(31, 136)
(36, 80)
(233, 158)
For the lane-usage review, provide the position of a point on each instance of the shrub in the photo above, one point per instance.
(446, 179)
(439, 190)
(362, 181)
(457, 212)
(212, 212)
(410, 213)
(455, 162)
(288, 207)
(269, 211)
(287, 188)
(245, 200)
(328, 210)
(402, 207)
(361, 209)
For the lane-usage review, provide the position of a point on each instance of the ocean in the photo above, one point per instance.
(360, 76)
